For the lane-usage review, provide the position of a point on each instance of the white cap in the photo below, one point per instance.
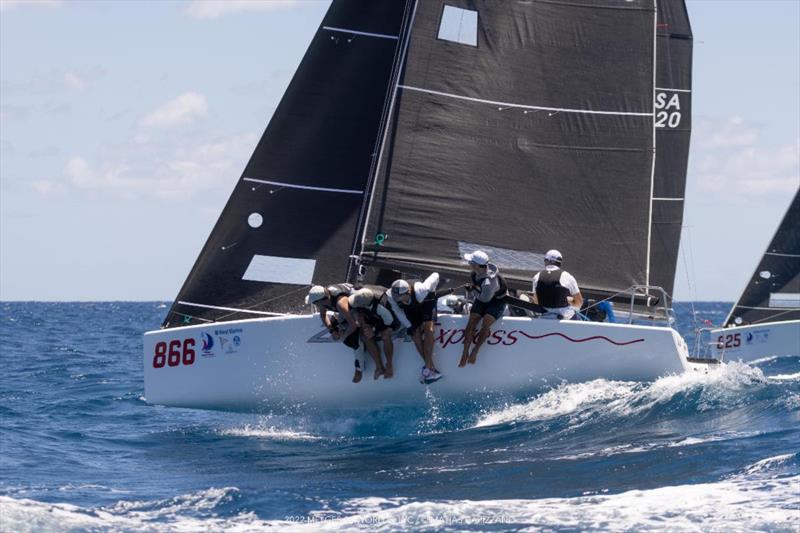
(400, 287)
(316, 294)
(360, 298)
(553, 256)
(477, 257)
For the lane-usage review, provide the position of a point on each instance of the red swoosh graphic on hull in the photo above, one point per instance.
(570, 339)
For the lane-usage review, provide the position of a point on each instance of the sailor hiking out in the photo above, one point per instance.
(489, 290)
(335, 313)
(414, 304)
(371, 303)
(556, 290)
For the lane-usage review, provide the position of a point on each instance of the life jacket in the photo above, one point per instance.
(382, 300)
(336, 293)
(502, 290)
(549, 291)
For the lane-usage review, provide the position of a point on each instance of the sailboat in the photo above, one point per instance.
(413, 132)
(765, 321)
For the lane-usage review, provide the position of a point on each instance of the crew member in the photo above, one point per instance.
(376, 318)
(334, 311)
(489, 290)
(414, 304)
(555, 289)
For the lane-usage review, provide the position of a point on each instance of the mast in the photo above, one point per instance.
(359, 235)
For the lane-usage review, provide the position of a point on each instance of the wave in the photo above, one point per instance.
(583, 402)
(762, 497)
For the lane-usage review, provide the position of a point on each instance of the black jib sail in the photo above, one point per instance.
(522, 126)
(773, 293)
(292, 216)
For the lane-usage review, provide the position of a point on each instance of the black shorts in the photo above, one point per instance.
(375, 321)
(424, 312)
(495, 308)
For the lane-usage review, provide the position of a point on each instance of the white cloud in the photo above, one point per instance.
(182, 110)
(54, 82)
(728, 158)
(48, 188)
(211, 9)
(74, 81)
(8, 5)
(184, 171)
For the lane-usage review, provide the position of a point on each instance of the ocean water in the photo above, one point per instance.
(80, 449)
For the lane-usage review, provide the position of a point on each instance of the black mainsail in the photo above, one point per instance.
(291, 218)
(773, 293)
(415, 131)
(554, 148)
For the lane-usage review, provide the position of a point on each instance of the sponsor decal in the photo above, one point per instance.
(758, 336)
(452, 336)
(208, 345)
(502, 337)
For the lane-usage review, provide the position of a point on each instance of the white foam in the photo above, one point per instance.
(271, 432)
(564, 399)
(583, 401)
(785, 377)
(769, 463)
(741, 503)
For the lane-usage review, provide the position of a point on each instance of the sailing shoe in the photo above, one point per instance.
(428, 376)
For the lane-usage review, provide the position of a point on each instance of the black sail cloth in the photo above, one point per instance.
(774, 288)
(540, 136)
(306, 177)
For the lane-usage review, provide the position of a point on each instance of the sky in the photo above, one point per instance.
(124, 126)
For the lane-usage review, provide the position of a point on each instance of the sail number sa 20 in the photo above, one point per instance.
(174, 353)
(668, 110)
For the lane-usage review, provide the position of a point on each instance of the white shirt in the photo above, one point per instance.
(421, 290)
(567, 281)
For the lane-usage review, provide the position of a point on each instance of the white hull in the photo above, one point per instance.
(748, 343)
(272, 362)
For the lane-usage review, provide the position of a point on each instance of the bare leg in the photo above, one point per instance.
(427, 344)
(488, 320)
(388, 347)
(469, 333)
(372, 348)
(417, 338)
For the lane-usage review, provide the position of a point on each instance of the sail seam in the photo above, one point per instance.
(668, 199)
(673, 90)
(365, 33)
(524, 106)
(304, 187)
(781, 255)
(206, 306)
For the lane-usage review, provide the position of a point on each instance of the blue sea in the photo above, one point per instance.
(81, 450)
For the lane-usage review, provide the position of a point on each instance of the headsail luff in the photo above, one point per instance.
(306, 178)
(774, 288)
